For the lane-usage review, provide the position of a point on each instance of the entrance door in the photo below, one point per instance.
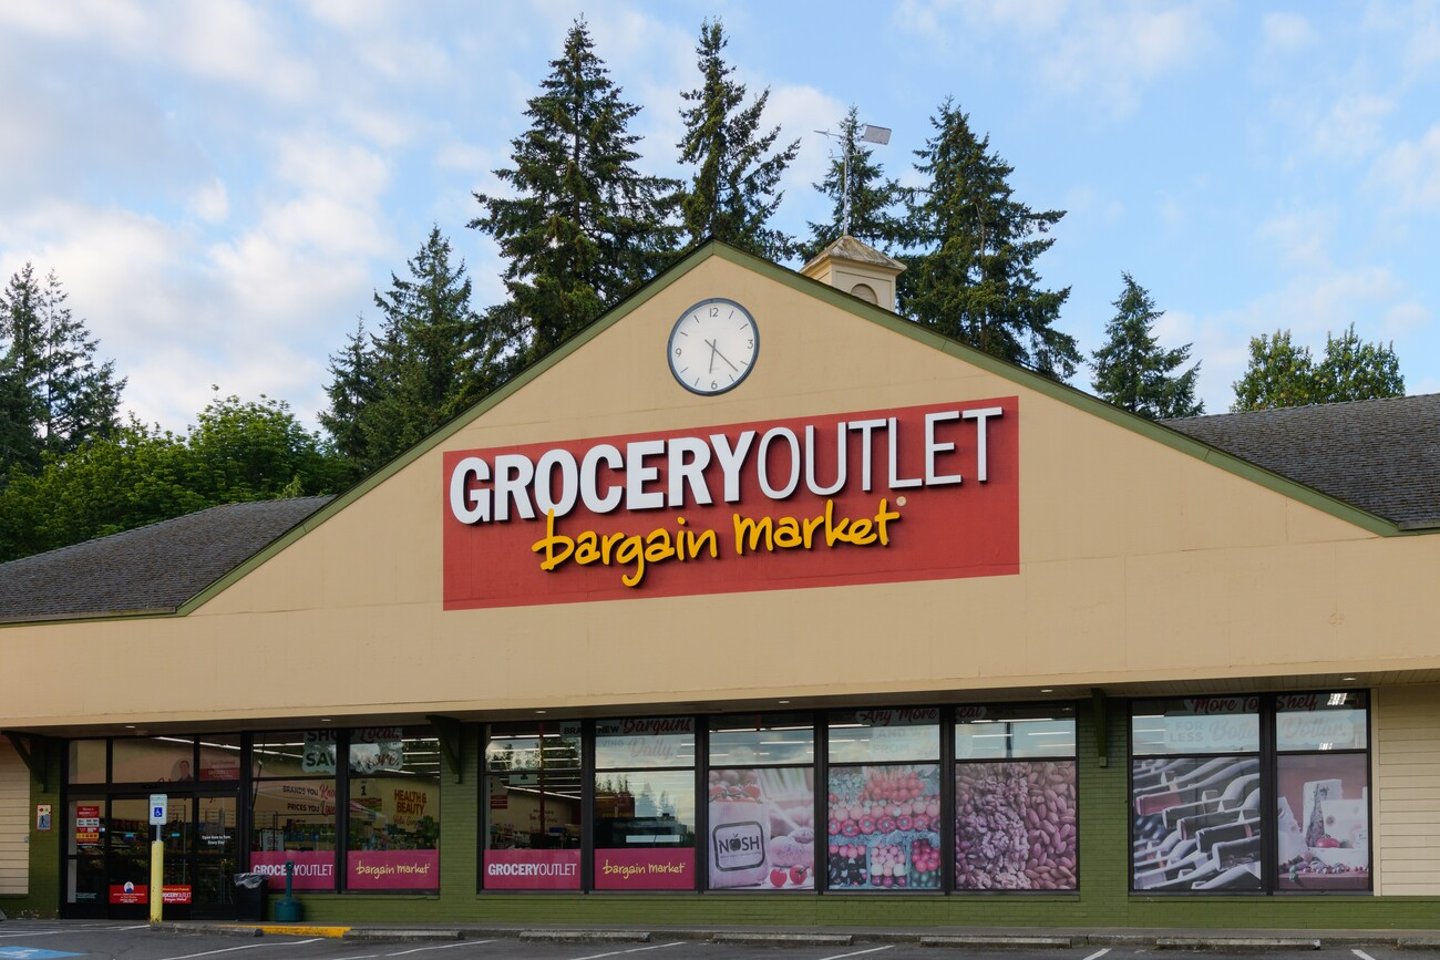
(86, 890)
(217, 850)
(127, 874)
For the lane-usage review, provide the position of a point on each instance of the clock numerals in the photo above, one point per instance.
(724, 351)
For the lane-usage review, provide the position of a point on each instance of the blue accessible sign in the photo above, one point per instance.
(33, 953)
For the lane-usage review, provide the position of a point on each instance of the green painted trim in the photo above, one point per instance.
(457, 423)
(1071, 396)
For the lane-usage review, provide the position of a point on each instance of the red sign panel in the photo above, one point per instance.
(915, 493)
(129, 894)
(87, 826)
(645, 869)
(532, 869)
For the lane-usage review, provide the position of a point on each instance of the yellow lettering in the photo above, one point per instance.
(883, 517)
(586, 552)
(550, 541)
(632, 550)
(694, 543)
(751, 531)
(658, 545)
(787, 533)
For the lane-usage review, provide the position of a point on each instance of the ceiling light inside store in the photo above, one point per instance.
(1047, 689)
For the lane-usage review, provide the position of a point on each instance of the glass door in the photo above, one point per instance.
(127, 832)
(216, 859)
(85, 888)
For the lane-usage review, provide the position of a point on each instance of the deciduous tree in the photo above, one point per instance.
(1281, 374)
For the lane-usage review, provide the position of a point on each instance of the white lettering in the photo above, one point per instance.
(933, 447)
(470, 506)
(981, 417)
(762, 464)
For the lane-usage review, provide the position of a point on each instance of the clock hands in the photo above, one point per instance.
(715, 352)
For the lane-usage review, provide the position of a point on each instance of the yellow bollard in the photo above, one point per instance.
(157, 879)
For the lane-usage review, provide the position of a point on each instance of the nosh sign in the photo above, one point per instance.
(914, 493)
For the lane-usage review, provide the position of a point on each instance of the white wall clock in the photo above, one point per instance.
(713, 346)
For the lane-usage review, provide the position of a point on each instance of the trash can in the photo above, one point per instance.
(250, 892)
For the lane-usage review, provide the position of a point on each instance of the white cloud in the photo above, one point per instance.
(1285, 32)
(801, 110)
(1104, 54)
(1300, 238)
(1351, 129)
(210, 202)
(1410, 173)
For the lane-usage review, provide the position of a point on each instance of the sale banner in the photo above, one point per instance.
(532, 869)
(87, 826)
(672, 869)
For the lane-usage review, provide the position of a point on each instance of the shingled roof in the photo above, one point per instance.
(152, 569)
(1382, 456)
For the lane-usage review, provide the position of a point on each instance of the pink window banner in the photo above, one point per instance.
(314, 869)
(672, 869)
(532, 869)
(393, 870)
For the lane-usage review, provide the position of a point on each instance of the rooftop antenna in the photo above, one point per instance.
(868, 133)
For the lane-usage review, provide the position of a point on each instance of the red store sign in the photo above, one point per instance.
(915, 493)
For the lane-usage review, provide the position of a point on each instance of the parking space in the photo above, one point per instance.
(37, 940)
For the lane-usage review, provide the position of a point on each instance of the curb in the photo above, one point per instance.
(787, 939)
(356, 933)
(997, 942)
(585, 936)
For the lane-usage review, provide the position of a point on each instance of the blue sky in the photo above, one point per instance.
(221, 185)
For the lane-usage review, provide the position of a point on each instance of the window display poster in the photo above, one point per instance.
(1197, 823)
(393, 870)
(314, 869)
(520, 869)
(762, 833)
(627, 869)
(1015, 826)
(87, 826)
(884, 827)
(1323, 822)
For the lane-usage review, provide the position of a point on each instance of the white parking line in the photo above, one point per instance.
(248, 946)
(1362, 955)
(1098, 954)
(53, 933)
(447, 946)
(616, 953)
(360, 956)
(857, 953)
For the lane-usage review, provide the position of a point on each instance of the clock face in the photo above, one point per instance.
(713, 346)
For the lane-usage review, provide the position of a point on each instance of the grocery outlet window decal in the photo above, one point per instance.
(914, 493)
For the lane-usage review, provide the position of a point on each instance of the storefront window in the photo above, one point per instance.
(534, 792)
(153, 760)
(1016, 823)
(645, 804)
(1196, 817)
(761, 797)
(884, 807)
(220, 757)
(1322, 792)
(293, 817)
(393, 834)
(87, 761)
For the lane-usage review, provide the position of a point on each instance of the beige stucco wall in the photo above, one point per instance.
(1139, 564)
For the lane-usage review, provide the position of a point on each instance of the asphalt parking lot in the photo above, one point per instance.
(57, 940)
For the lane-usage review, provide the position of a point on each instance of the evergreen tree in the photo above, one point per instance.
(19, 443)
(1133, 371)
(1281, 374)
(973, 276)
(734, 189)
(52, 354)
(873, 196)
(427, 364)
(584, 226)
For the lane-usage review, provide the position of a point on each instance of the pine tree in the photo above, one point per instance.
(390, 390)
(973, 276)
(71, 398)
(1133, 371)
(584, 226)
(873, 196)
(734, 190)
(1281, 374)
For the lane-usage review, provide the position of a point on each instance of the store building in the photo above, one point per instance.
(755, 603)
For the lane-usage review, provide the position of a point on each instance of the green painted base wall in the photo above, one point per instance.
(43, 900)
(1103, 902)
